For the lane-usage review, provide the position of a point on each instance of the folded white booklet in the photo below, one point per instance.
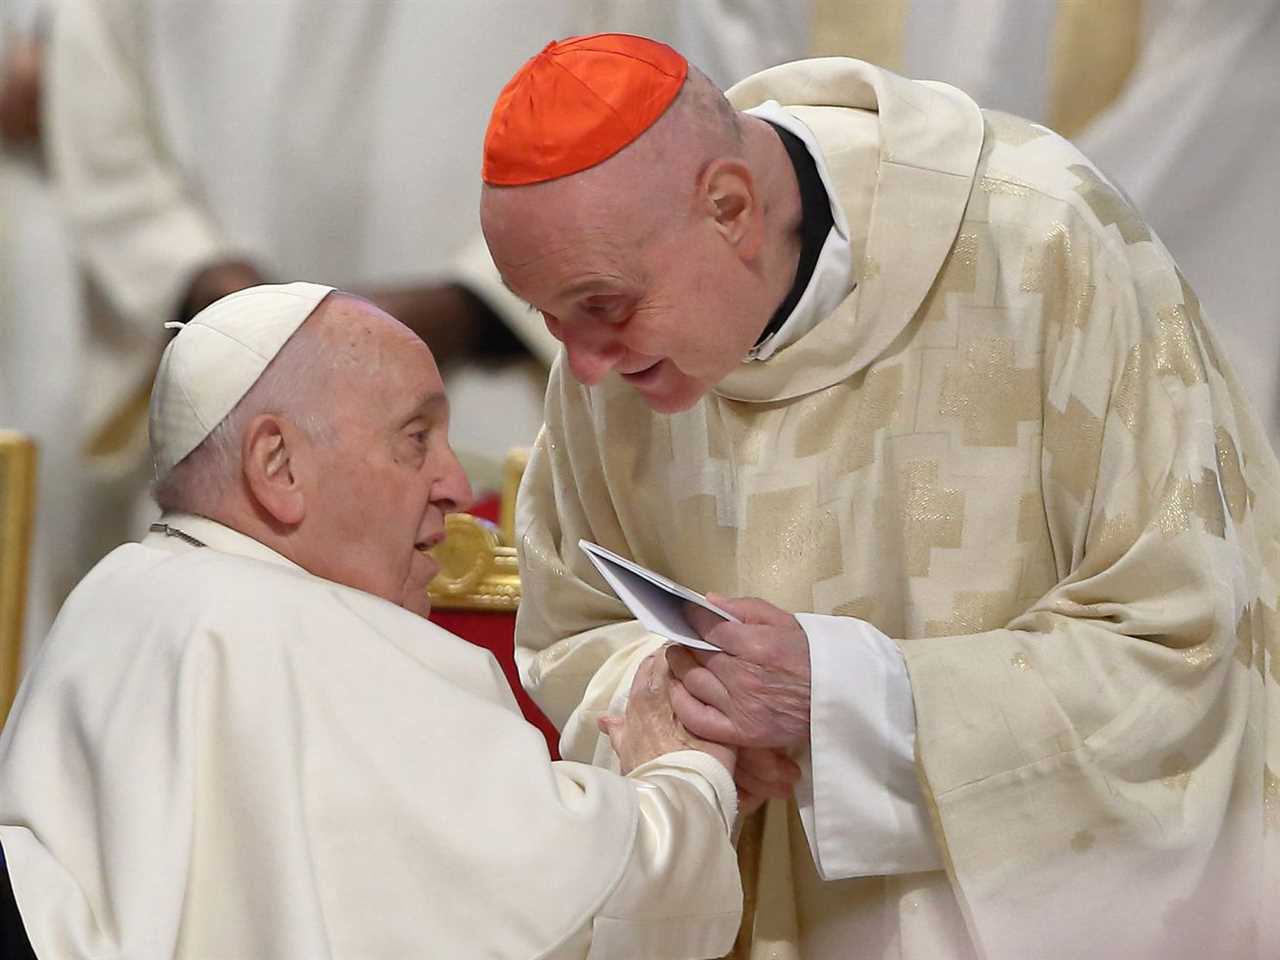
(657, 602)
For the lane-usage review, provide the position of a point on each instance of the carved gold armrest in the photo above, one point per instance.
(17, 509)
(477, 570)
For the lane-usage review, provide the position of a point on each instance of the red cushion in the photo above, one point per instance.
(496, 633)
(487, 507)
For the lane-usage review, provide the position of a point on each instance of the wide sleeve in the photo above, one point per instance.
(859, 794)
(142, 233)
(1107, 750)
(577, 646)
(679, 896)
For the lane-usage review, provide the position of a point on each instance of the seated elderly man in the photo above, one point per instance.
(242, 739)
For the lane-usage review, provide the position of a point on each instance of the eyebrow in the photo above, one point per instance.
(431, 403)
(514, 294)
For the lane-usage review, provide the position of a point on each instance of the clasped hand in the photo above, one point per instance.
(752, 693)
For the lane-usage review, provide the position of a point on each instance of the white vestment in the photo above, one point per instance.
(218, 754)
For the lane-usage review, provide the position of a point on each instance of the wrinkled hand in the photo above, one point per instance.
(753, 691)
(649, 728)
(763, 774)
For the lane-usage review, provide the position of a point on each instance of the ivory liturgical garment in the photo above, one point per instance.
(220, 755)
(1016, 450)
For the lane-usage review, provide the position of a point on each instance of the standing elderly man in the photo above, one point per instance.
(242, 739)
(917, 376)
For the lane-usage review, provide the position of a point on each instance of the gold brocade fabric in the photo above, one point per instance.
(1040, 478)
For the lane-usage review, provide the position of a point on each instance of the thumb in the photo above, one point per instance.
(613, 728)
(753, 610)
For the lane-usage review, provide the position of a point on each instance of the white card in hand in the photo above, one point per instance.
(657, 602)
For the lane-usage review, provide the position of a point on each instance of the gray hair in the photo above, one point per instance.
(288, 388)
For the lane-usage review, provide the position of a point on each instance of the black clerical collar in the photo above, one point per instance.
(815, 223)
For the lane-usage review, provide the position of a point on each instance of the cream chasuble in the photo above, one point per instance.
(218, 755)
(1015, 449)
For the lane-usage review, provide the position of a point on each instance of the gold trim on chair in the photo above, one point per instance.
(477, 571)
(17, 509)
(512, 472)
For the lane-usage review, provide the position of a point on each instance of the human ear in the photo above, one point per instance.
(269, 456)
(729, 192)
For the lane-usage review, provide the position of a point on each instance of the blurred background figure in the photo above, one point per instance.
(43, 327)
(1178, 101)
(198, 148)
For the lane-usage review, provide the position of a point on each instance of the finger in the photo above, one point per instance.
(701, 619)
(761, 788)
(681, 660)
(771, 765)
(696, 679)
(703, 721)
(611, 727)
(706, 686)
(752, 610)
(749, 803)
(727, 636)
(754, 642)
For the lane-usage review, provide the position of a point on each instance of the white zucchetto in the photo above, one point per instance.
(215, 358)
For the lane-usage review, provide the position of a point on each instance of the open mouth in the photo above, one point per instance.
(430, 543)
(648, 375)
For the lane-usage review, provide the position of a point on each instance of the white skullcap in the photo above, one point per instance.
(216, 358)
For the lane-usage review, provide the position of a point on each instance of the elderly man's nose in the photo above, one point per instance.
(591, 360)
(452, 492)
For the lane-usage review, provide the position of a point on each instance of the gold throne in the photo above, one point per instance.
(17, 510)
(478, 570)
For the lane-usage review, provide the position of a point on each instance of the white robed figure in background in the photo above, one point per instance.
(43, 328)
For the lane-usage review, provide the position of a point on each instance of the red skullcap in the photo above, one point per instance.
(576, 103)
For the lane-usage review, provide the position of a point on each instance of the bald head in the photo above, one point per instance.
(662, 263)
(699, 127)
(338, 457)
(344, 340)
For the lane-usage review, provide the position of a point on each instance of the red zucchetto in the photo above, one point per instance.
(576, 103)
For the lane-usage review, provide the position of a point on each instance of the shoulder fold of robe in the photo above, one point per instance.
(930, 138)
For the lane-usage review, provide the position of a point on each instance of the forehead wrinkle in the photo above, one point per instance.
(428, 403)
(558, 273)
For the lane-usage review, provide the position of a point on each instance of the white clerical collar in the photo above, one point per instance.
(193, 530)
(833, 278)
